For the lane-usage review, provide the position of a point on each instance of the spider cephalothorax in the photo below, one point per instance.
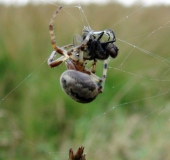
(79, 82)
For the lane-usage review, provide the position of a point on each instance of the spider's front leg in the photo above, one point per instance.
(53, 63)
(52, 34)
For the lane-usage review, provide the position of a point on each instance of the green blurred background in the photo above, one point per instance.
(129, 121)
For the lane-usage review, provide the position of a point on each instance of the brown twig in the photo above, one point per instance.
(79, 154)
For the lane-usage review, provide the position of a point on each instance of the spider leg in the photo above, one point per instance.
(67, 46)
(96, 78)
(101, 81)
(53, 63)
(105, 67)
(52, 35)
(85, 41)
(93, 66)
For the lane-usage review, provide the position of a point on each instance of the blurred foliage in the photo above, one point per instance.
(128, 121)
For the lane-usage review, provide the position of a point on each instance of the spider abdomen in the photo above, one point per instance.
(79, 86)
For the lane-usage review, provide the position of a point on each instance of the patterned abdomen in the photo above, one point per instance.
(79, 86)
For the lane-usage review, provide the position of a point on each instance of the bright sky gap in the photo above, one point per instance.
(126, 3)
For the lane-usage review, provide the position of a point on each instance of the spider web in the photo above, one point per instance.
(133, 119)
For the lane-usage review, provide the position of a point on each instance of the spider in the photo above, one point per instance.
(79, 82)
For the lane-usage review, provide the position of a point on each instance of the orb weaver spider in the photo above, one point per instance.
(79, 82)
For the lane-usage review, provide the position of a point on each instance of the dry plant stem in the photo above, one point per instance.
(79, 154)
